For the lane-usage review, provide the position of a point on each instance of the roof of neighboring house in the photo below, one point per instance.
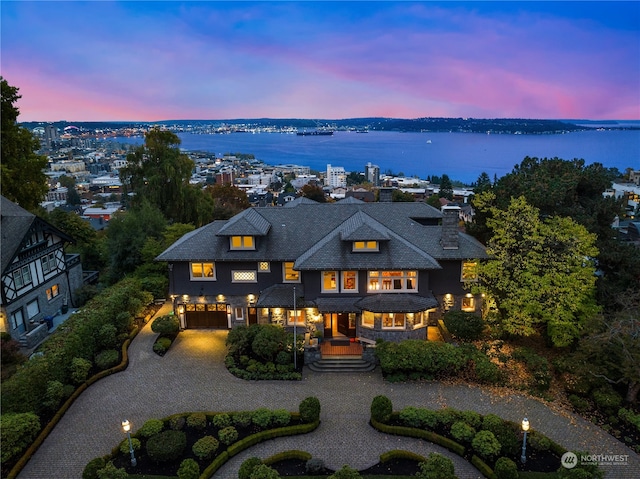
(320, 236)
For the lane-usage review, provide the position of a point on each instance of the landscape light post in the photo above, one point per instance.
(126, 426)
(525, 428)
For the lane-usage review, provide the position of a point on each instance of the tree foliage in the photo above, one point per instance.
(446, 188)
(228, 200)
(313, 192)
(21, 169)
(542, 276)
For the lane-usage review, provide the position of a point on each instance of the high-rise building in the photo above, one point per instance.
(372, 174)
(336, 177)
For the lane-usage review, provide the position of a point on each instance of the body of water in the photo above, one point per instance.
(462, 156)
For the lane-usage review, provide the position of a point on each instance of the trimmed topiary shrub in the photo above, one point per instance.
(17, 432)
(197, 420)
(110, 471)
(242, 419)
(486, 445)
(168, 324)
(106, 337)
(166, 445)
(505, 468)
(281, 418)
(580, 404)
(607, 400)
(124, 445)
(79, 371)
(462, 432)
(505, 433)
(161, 345)
(107, 359)
(309, 409)
(150, 428)
(228, 435)
(539, 442)
(472, 418)
(381, 409)
(436, 466)
(247, 467)
(92, 468)
(54, 395)
(262, 417)
(205, 447)
(221, 420)
(177, 423)
(463, 325)
(262, 471)
(189, 469)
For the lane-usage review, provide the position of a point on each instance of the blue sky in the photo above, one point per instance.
(152, 61)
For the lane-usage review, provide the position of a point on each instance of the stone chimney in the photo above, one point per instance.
(386, 195)
(450, 231)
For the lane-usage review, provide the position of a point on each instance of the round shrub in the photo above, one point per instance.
(241, 419)
(197, 420)
(262, 417)
(472, 418)
(538, 441)
(345, 472)
(436, 466)
(161, 345)
(124, 445)
(221, 420)
(486, 371)
(92, 468)
(17, 432)
(150, 428)
(80, 368)
(262, 471)
(505, 468)
(107, 359)
(166, 445)
(189, 469)
(106, 337)
(314, 466)
(168, 324)
(110, 471)
(54, 395)
(409, 416)
(462, 432)
(228, 435)
(607, 400)
(281, 418)
(446, 416)
(463, 325)
(381, 409)
(284, 357)
(486, 445)
(580, 404)
(309, 409)
(505, 433)
(204, 447)
(247, 467)
(177, 423)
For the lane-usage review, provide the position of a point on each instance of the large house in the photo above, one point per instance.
(38, 278)
(350, 268)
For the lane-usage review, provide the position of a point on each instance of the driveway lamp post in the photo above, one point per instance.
(126, 426)
(525, 428)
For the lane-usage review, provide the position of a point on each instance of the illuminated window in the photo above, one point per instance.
(368, 319)
(392, 281)
(244, 276)
(349, 281)
(290, 275)
(329, 281)
(190, 307)
(52, 292)
(239, 314)
(393, 320)
(203, 271)
(365, 246)
(468, 303)
(418, 319)
(242, 242)
(295, 317)
(264, 267)
(469, 271)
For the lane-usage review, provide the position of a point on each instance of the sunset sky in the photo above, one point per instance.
(153, 61)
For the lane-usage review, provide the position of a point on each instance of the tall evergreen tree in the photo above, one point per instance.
(22, 177)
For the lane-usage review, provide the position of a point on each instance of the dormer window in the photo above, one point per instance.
(365, 246)
(242, 242)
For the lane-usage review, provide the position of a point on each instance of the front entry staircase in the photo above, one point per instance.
(341, 358)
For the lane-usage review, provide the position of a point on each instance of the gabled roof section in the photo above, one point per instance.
(351, 200)
(197, 245)
(362, 227)
(301, 200)
(247, 223)
(15, 223)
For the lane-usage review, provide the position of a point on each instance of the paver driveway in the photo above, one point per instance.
(192, 377)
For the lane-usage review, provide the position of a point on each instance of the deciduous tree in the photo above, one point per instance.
(542, 275)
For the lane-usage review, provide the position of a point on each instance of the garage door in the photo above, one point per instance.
(206, 316)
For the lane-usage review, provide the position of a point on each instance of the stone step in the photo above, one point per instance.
(340, 365)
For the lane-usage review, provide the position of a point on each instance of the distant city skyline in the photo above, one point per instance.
(154, 61)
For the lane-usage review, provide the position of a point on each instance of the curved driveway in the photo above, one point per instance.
(192, 377)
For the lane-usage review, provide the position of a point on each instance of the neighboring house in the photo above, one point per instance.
(355, 269)
(38, 278)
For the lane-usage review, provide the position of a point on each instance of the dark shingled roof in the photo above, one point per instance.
(15, 223)
(337, 305)
(309, 233)
(247, 223)
(396, 303)
(281, 296)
